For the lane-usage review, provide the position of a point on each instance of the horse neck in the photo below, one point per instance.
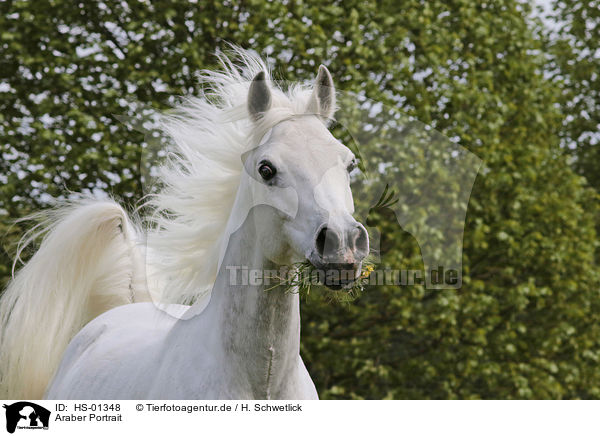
(259, 328)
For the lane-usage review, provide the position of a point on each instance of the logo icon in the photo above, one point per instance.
(26, 415)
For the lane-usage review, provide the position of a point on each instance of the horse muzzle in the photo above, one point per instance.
(338, 254)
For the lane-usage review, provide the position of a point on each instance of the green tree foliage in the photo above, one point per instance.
(574, 54)
(525, 322)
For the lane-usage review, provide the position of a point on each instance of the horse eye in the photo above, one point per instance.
(352, 165)
(267, 171)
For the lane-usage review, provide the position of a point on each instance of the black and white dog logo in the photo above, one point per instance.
(26, 415)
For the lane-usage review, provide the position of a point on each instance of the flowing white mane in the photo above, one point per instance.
(209, 135)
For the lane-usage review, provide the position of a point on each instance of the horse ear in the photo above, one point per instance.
(259, 96)
(322, 100)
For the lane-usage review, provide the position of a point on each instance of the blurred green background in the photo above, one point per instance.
(517, 86)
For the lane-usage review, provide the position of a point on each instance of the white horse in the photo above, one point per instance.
(255, 180)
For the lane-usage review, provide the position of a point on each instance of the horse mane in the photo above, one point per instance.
(209, 134)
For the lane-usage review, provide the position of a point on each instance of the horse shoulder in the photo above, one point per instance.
(111, 351)
(306, 385)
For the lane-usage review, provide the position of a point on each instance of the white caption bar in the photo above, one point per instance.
(363, 418)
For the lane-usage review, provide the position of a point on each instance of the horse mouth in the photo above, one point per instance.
(340, 285)
(338, 276)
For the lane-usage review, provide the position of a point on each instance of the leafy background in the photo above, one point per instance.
(518, 87)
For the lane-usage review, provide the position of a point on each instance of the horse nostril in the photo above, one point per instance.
(327, 242)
